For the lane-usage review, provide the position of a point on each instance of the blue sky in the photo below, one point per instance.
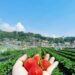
(47, 17)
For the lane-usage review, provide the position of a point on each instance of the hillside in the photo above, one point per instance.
(20, 40)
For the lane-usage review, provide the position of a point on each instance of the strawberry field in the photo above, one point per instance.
(65, 57)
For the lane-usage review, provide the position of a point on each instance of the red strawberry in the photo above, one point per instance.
(45, 64)
(37, 58)
(35, 70)
(29, 63)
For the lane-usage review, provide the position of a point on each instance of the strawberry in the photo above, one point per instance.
(35, 70)
(29, 63)
(45, 64)
(37, 58)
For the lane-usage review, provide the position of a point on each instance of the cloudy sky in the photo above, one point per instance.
(47, 17)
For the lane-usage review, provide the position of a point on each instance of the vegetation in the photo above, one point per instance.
(66, 57)
(66, 65)
(21, 36)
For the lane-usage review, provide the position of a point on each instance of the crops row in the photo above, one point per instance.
(66, 65)
(68, 50)
(7, 65)
(68, 55)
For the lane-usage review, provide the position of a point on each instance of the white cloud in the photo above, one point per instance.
(6, 27)
(20, 27)
(9, 28)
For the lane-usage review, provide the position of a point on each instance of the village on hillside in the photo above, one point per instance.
(14, 44)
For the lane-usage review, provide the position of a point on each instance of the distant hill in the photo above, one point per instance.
(21, 36)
